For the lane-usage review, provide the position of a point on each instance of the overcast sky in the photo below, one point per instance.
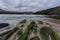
(28, 5)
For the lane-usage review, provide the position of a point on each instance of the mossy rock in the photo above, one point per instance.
(35, 38)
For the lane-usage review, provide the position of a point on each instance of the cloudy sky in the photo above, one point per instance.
(28, 5)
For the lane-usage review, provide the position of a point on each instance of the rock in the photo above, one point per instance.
(40, 22)
(3, 25)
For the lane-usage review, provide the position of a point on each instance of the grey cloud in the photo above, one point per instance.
(28, 5)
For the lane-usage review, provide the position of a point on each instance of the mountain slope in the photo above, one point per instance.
(51, 11)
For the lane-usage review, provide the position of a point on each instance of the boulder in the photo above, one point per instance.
(2, 25)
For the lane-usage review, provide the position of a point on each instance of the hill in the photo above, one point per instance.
(13, 12)
(51, 11)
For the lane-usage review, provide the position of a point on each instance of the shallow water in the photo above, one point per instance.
(14, 18)
(11, 17)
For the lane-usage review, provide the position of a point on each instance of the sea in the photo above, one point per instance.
(13, 19)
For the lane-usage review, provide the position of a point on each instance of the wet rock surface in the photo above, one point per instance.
(2, 25)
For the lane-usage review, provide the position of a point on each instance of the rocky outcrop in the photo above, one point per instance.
(3, 25)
